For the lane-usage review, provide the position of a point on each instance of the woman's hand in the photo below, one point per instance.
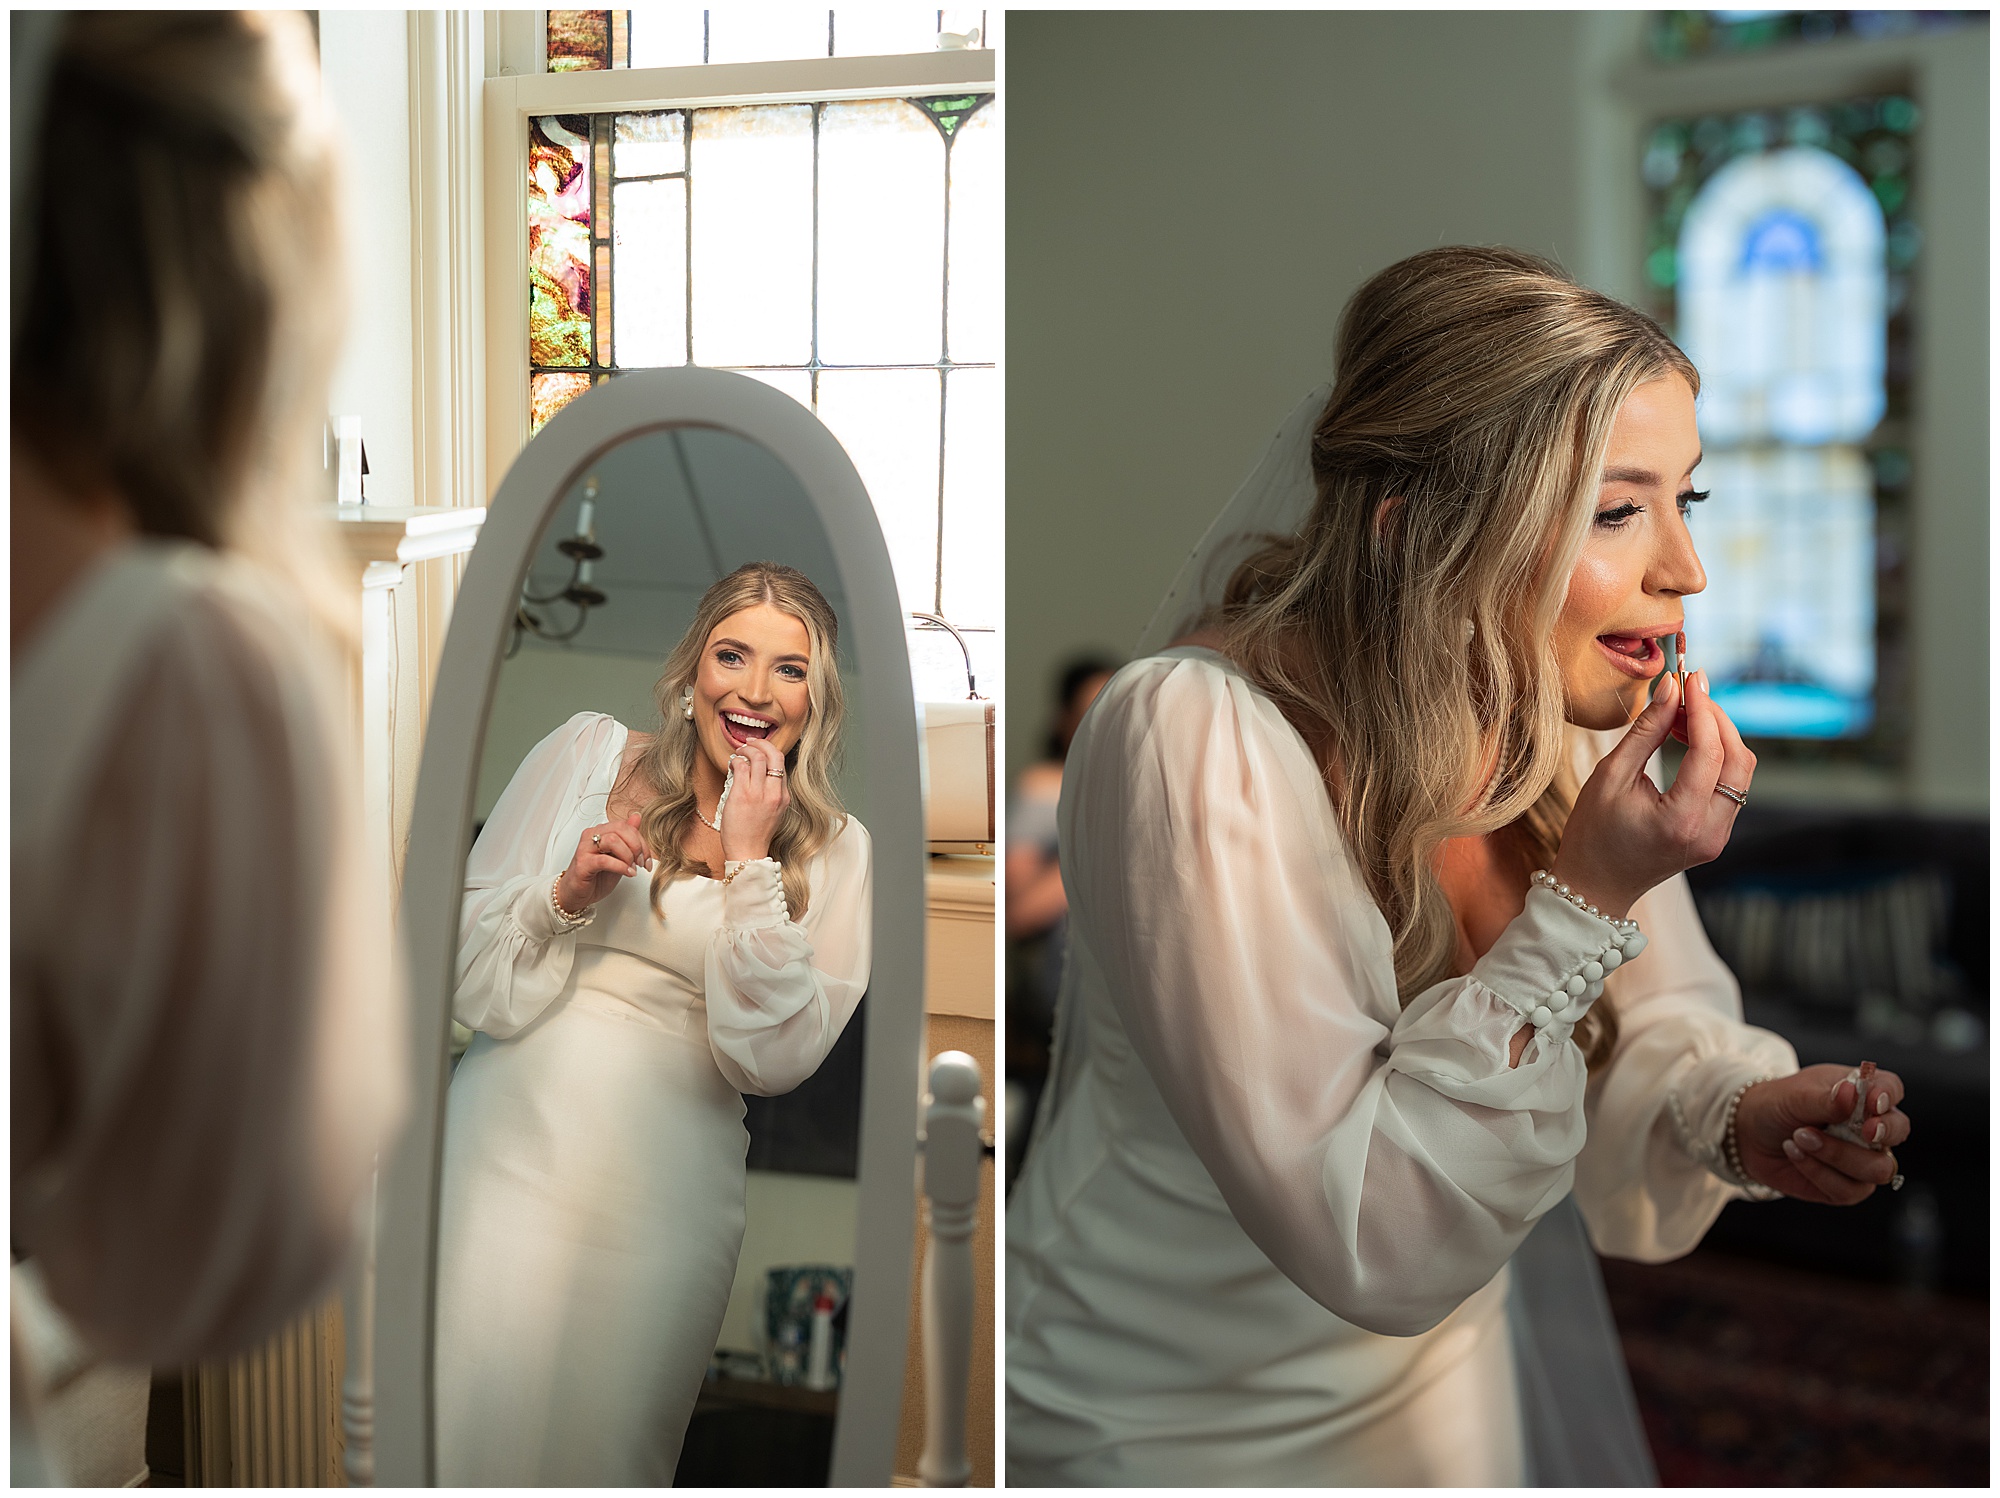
(605, 854)
(757, 799)
(1782, 1140)
(1624, 836)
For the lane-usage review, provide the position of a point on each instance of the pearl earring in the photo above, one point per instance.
(687, 703)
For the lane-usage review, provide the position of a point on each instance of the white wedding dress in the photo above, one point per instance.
(1263, 1233)
(592, 1197)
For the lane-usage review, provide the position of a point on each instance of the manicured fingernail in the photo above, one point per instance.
(1807, 1139)
(1701, 681)
(1878, 1131)
(1882, 1103)
(1792, 1151)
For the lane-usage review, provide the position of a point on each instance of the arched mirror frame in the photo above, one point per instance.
(885, 743)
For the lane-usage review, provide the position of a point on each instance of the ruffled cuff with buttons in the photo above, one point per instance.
(753, 896)
(1549, 965)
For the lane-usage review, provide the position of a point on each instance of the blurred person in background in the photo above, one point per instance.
(1035, 903)
(206, 1034)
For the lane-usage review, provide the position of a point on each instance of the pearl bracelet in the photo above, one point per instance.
(1625, 928)
(568, 918)
(744, 863)
(1755, 1190)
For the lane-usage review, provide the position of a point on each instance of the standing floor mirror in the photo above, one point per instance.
(653, 1214)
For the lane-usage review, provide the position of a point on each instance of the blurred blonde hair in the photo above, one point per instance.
(1457, 464)
(815, 814)
(188, 287)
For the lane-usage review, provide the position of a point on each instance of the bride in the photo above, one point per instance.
(592, 1198)
(1351, 1003)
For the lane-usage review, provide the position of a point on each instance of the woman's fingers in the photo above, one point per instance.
(1832, 1186)
(1853, 1161)
(612, 847)
(1885, 1091)
(1701, 766)
(1627, 760)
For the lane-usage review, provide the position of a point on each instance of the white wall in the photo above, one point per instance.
(365, 61)
(788, 1220)
(1192, 197)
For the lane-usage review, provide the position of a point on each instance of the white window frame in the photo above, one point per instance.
(511, 100)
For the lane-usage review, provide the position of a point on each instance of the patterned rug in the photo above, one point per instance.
(1751, 1374)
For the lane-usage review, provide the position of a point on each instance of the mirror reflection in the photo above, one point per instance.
(647, 1203)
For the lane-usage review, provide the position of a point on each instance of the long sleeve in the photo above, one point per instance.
(780, 991)
(1647, 1181)
(514, 955)
(208, 1032)
(1386, 1158)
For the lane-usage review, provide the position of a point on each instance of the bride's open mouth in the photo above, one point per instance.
(1637, 653)
(743, 726)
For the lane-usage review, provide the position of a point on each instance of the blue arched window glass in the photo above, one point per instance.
(1781, 247)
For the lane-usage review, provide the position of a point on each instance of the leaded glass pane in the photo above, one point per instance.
(767, 33)
(797, 383)
(1787, 623)
(1782, 299)
(704, 228)
(675, 36)
(1781, 249)
(881, 234)
(649, 233)
(559, 241)
(669, 36)
(648, 144)
(883, 417)
(975, 532)
(974, 291)
(752, 207)
(602, 282)
(579, 40)
(884, 30)
(549, 393)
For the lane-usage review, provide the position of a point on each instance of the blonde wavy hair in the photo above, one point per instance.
(815, 814)
(188, 293)
(1407, 629)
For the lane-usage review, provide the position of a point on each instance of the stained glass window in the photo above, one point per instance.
(1677, 34)
(1781, 253)
(678, 36)
(843, 252)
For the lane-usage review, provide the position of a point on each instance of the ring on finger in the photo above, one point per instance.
(775, 774)
(1741, 798)
(596, 840)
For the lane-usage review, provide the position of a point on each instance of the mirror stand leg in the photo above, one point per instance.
(357, 1387)
(954, 1154)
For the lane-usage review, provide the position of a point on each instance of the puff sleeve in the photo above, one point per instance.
(1387, 1158)
(514, 955)
(780, 991)
(208, 1031)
